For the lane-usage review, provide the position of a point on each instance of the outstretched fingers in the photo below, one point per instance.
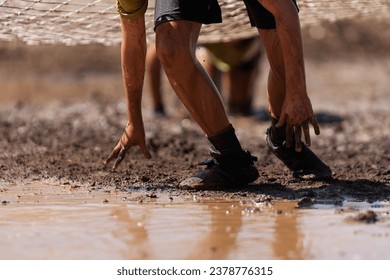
(306, 133)
(294, 132)
(145, 151)
(297, 118)
(298, 135)
(127, 141)
(315, 125)
(118, 154)
(121, 155)
(112, 155)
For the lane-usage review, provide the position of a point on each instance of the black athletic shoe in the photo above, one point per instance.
(304, 164)
(224, 171)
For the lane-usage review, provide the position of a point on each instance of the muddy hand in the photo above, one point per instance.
(130, 137)
(297, 113)
(295, 130)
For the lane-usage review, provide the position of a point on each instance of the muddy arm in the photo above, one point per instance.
(296, 110)
(133, 53)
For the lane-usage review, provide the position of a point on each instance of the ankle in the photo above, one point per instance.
(226, 142)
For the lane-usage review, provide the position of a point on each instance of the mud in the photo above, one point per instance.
(61, 114)
(68, 142)
(62, 125)
(51, 221)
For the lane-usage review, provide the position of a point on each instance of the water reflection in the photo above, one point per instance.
(221, 239)
(136, 235)
(211, 230)
(287, 242)
(71, 229)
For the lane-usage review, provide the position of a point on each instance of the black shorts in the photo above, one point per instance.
(208, 11)
(202, 11)
(260, 16)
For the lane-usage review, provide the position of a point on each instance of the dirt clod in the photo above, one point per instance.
(368, 217)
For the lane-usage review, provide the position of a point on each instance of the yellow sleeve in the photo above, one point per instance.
(131, 9)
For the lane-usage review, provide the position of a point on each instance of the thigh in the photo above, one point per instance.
(201, 11)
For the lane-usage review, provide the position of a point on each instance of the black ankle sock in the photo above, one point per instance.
(226, 141)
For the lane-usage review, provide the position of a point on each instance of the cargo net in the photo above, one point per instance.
(73, 22)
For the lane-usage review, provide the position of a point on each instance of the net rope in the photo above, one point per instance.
(73, 22)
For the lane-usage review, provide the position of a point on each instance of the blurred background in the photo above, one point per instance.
(31, 73)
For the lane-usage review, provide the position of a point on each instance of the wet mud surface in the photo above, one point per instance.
(68, 142)
(61, 115)
(51, 221)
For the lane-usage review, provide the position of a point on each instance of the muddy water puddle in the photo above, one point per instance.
(40, 221)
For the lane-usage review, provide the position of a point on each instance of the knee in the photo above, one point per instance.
(172, 49)
(165, 46)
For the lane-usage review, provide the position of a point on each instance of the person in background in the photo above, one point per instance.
(233, 66)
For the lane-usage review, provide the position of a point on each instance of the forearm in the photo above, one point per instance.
(133, 53)
(290, 39)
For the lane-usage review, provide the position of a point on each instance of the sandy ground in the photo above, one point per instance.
(61, 114)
